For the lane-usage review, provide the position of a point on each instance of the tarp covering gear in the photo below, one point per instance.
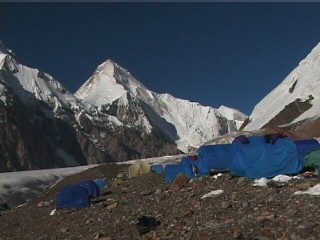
(215, 157)
(192, 167)
(272, 138)
(102, 183)
(138, 168)
(92, 188)
(312, 159)
(305, 146)
(261, 159)
(171, 171)
(157, 168)
(242, 138)
(72, 196)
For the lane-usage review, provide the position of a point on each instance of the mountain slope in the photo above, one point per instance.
(112, 117)
(187, 123)
(296, 99)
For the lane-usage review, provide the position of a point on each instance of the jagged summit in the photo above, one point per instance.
(112, 117)
(102, 87)
(187, 123)
(108, 83)
(5, 50)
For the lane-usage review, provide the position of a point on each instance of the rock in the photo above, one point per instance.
(237, 233)
(233, 196)
(161, 198)
(64, 230)
(146, 192)
(179, 182)
(226, 205)
(265, 215)
(303, 186)
(158, 191)
(98, 235)
(112, 206)
(211, 224)
(241, 180)
(257, 212)
(144, 225)
(262, 238)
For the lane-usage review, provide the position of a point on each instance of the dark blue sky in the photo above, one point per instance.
(212, 53)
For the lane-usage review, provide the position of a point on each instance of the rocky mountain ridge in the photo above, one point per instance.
(111, 118)
(294, 101)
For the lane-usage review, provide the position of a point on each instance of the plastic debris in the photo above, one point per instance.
(212, 193)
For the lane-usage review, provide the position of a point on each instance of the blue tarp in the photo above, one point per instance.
(215, 157)
(306, 146)
(92, 188)
(157, 168)
(171, 171)
(260, 159)
(102, 183)
(72, 196)
(189, 166)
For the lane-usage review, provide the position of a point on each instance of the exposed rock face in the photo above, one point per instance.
(295, 99)
(112, 118)
(42, 125)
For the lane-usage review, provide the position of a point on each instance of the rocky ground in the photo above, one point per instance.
(146, 208)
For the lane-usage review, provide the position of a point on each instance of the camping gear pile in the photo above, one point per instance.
(250, 157)
(246, 156)
(79, 195)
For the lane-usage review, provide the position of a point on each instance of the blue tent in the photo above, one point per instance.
(188, 166)
(72, 196)
(157, 168)
(261, 159)
(306, 146)
(191, 167)
(171, 171)
(92, 188)
(215, 157)
(102, 183)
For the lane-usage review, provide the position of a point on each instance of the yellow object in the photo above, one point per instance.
(138, 168)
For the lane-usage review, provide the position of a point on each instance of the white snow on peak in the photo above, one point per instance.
(301, 83)
(188, 122)
(108, 83)
(2, 59)
(32, 85)
(232, 114)
(5, 50)
(102, 88)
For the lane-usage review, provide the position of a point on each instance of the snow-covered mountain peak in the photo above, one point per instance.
(5, 50)
(102, 87)
(106, 68)
(109, 83)
(187, 122)
(296, 97)
(314, 54)
(32, 85)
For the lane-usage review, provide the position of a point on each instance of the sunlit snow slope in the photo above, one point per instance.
(188, 123)
(301, 86)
